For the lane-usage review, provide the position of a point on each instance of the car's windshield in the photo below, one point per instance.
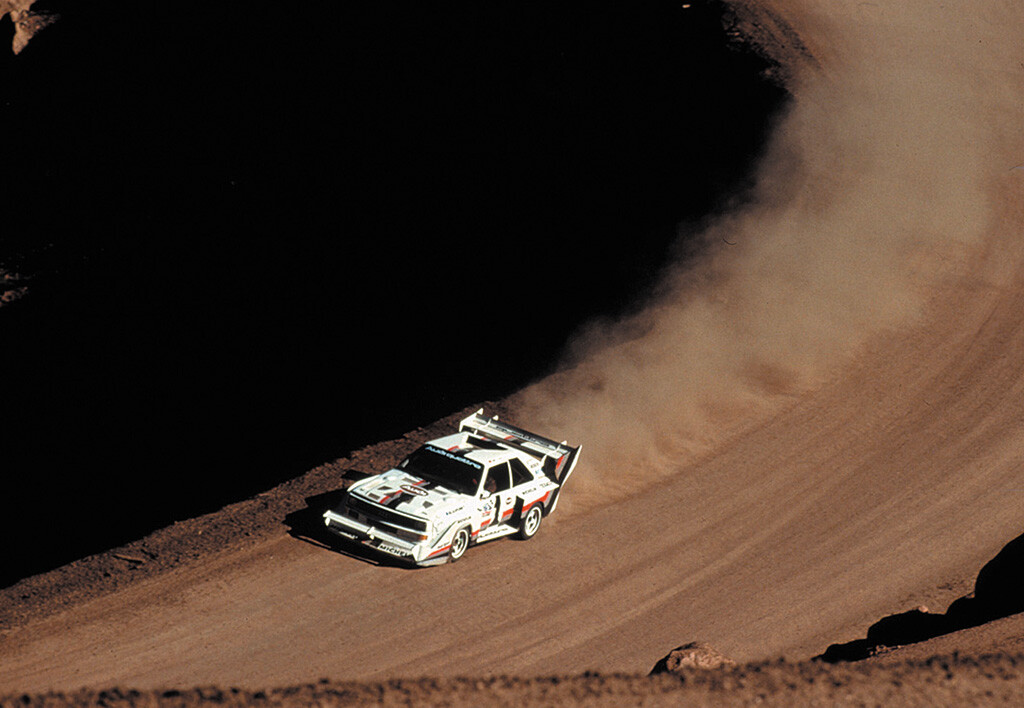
(445, 468)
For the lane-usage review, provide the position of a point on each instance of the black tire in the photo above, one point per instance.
(531, 522)
(460, 543)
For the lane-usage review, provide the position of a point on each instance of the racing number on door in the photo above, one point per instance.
(498, 485)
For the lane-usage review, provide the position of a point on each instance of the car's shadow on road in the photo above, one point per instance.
(307, 525)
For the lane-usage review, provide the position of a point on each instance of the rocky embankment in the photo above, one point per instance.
(955, 680)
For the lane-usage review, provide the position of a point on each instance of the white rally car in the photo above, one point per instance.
(489, 480)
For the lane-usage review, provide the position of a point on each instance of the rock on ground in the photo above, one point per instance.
(697, 655)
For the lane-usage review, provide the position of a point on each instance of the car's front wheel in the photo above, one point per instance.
(460, 542)
(531, 522)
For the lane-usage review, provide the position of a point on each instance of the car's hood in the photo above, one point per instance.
(409, 494)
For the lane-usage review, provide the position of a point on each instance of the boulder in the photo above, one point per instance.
(697, 655)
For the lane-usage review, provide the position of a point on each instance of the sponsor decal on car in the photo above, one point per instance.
(451, 456)
(393, 550)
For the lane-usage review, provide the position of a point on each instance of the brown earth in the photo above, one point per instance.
(26, 22)
(12, 287)
(988, 680)
(821, 435)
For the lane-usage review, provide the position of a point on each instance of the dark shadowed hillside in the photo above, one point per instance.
(257, 241)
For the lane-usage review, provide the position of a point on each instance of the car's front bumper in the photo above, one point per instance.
(430, 552)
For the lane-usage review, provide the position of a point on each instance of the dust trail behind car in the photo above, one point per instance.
(883, 180)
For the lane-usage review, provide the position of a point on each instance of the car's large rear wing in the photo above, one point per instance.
(558, 459)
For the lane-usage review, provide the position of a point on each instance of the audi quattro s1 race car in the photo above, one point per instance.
(489, 480)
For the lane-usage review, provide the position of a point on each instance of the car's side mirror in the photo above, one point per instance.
(485, 494)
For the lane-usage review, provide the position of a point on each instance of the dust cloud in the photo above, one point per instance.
(876, 187)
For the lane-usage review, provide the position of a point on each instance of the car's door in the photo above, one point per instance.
(497, 495)
(524, 485)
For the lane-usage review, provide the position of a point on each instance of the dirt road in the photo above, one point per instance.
(883, 479)
(784, 541)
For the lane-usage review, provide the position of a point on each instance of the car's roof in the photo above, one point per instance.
(485, 451)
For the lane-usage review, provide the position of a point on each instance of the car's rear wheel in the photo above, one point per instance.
(460, 542)
(531, 522)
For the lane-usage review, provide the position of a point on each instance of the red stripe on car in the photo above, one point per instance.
(537, 501)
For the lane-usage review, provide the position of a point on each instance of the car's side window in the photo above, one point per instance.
(520, 475)
(497, 478)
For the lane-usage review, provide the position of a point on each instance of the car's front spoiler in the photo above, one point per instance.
(383, 542)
